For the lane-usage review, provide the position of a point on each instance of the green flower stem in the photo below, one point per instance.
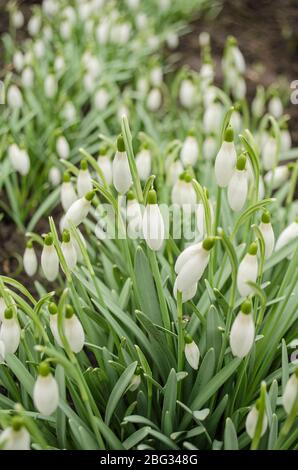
(180, 355)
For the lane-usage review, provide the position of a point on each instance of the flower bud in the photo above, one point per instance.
(69, 251)
(252, 421)
(243, 331)
(226, 158)
(105, 165)
(30, 260)
(50, 86)
(45, 391)
(49, 259)
(19, 159)
(122, 178)
(277, 177)
(192, 352)
(153, 224)
(84, 181)
(269, 153)
(28, 77)
(287, 235)
(268, 234)
(10, 331)
(62, 147)
(190, 151)
(16, 436)
(14, 97)
(290, 394)
(187, 93)
(238, 185)
(183, 192)
(154, 100)
(101, 99)
(248, 271)
(143, 162)
(54, 176)
(78, 211)
(67, 194)
(275, 107)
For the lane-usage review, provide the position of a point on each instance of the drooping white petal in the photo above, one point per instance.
(200, 217)
(143, 162)
(290, 394)
(46, 394)
(67, 194)
(70, 254)
(242, 334)
(187, 93)
(15, 440)
(77, 212)
(62, 147)
(237, 190)
(10, 334)
(225, 163)
(30, 261)
(74, 333)
(187, 294)
(154, 99)
(134, 219)
(275, 107)
(192, 354)
(153, 227)
(247, 272)
(212, 118)
(190, 151)
(276, 177)
(287, 235)
(54, 176)
(269, 238)
(209, 147)
(186, 255)
(106, 167)
(122, 178)
(50, 262)
(192, 271)
(269, 153)
(252, 420)
(84, 183)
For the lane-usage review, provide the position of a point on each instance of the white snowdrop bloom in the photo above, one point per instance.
(16, 436)
(258, 103)
(2, 352)
(78, 211)
(143, 162)
(212, 118)
(135, 382)
(286, 141)
(124, 33)
(192, 352)
(239, 90)
(18, 61)
(243, 331)
(39, 49)
(84, 180)
(133, 4)
(34, 25)
(62, 147)
(190, 150)
(252, 421)
(187, 93)
(59, 64)
(226, 159)
(191, 264)
(73, 330)
(49, 259)
(10, 331)
(275, 107)
(174, 170)
(50, 7)
(207, 72)
(19, 159)
(183, 192)
(248, 271)
(154, 99)
(122, 111)
(277, 177)
(187, 294)
(142, 86)
(50, 86)
(45, 391)
(65, 29)
(156, 76)
(268, 234)
(102, 32)
(141, 21)
(122, 178)
(153, 223)
(30, 260)
(54, 176)
(14, 97)
(236, 121)
(68, 250)
(28, 77)
(47, 33)
(287, 235)
(69, 112)
(290, 394)
(17, 19)
(105, 165)
(200, 217)
(101, 99)
(67, 194)
(209, 147)
(238, 185)
(204, 39)
(134, 217)
(172, 40)
(209, 96)
(269, 153)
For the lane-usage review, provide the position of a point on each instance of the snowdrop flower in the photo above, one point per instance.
(275, 107)
(105, 165)
(18, 61)
(69, 112)
(236, 121)
(78, 211)
(290, 394)
(174, 171)
(49, 259)
(252, 421)
(10, 331)
(226, 158)
(143, 162)
(28, 77)
(243, 331)
(17, 19)
(207, 73)
(200, 217)
(183, 192)
(67, 194)
(154, 99)
(248, 271)
(190, 150)
(50, 86)
(269, 153)
(191, 264)
(68, 250)
(45, 391)
(54, 176)
(14, 97)
(277, 177)
(141, 21)
(209, 147)
(122, 178)
(59, 64)
(84, 181)
(172, 40)
(134, 216)
(50, 7)
(30, 259)
(156, 76)
(102, 32)
(16, 436)
(258, 103)
(19, 159)
(287, 235)
(192, 352)
(39, 49)
(62, 147)
(212, 117)
(187, 294)
(101, 99)
(153, 224)
(238, 58)
(238, 185)
(73, 330)
(239, 89)
(286, 141)
(268, 234)
(136, 380)
(187, 93)
(34, 25)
